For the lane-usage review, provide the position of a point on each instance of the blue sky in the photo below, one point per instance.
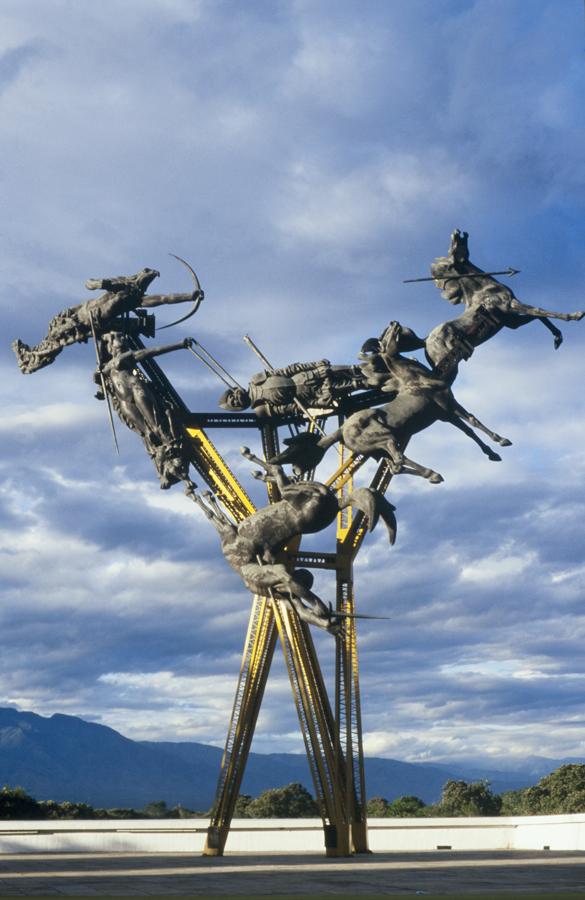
(306, 157)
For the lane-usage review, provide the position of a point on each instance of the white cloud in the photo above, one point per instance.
(351, 208)
(499, 567)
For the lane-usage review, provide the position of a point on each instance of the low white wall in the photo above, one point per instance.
(291, 835)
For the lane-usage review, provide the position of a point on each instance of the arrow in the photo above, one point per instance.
(509, 272)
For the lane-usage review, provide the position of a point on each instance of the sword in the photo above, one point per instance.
(103, 382)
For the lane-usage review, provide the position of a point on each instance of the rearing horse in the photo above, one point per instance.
(420, 398)
(489, 307)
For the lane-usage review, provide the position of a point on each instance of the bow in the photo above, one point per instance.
(198, 293)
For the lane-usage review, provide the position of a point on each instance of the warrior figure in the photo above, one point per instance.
(316, 385)
(124, 294)
(254, 548)
(141, 407)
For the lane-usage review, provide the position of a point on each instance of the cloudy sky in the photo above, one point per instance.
(306, 156)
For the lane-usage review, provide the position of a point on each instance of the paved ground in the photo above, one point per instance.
(165, 874)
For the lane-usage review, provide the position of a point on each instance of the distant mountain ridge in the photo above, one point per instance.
(64, 757)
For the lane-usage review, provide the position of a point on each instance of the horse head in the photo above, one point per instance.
(454, 275)
(121, 283)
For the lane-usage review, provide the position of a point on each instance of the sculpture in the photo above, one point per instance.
(140, 406)
(252, 547)
(263, 545)
(272, 393)
(489, 307)
(76, 324)
(420, 398)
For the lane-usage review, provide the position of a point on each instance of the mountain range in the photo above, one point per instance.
(66, 758)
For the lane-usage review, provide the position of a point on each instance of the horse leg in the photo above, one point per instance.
(517, 322)
(556, 332)
(410, 467)
(219, 513)
(462, 426)
(401, 464)
(538, 313)
(393, 451)
(273, 473)
(459, 412)
(329, 439)
(213, 512)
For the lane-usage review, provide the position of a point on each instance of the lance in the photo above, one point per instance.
(103, 382)
(509, 272)
(270, 368)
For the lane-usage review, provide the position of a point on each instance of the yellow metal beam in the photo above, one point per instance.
(335, 759)
(212, 467)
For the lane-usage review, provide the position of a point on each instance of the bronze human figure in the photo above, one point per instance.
(123, 294)
(315, 384)
(489, 307)
(252, 547)
(141, 407)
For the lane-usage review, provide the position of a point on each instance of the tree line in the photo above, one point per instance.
(561, 792)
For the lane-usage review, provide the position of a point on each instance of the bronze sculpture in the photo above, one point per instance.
(254, 548)
(419, 398)
(489, 307)
(123, 294)
(140, 406)
(263, 545)
(273, 393)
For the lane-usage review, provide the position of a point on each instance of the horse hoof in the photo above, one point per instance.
(578, 316)
(494, 457)
(245, 451)
(435, 478)
(504, 442)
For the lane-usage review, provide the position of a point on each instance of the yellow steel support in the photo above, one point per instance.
(257, 657)
(348, 466)
(317, 725)
(218, 476)
(347, 698)
(333, 742)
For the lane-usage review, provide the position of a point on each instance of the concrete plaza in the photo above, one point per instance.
(165, 874)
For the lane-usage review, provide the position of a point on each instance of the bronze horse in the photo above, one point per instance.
(489, 307)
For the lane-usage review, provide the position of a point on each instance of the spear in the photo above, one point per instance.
(509, 272)
(103, 382)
